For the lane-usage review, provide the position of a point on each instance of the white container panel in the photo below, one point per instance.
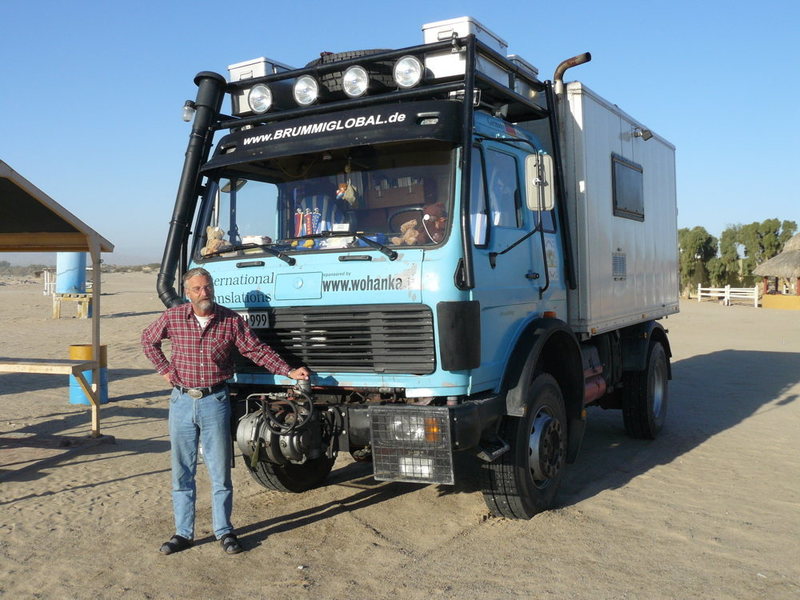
(627, 269)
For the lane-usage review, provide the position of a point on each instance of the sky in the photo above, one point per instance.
(91, 92)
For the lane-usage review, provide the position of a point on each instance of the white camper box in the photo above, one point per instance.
(620, 184)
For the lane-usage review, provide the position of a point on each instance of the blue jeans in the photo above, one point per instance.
(207, 420)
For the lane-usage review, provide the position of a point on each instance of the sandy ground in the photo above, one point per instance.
(709, 510)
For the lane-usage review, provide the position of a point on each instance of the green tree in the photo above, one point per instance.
(725, 269)
(697, 247)
(761, 242)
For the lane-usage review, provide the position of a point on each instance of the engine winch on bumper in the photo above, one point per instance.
(287, 428)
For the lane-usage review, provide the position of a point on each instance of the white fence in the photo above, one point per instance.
(728, 293)
(49, 279)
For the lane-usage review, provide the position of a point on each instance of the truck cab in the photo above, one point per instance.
(398, 222)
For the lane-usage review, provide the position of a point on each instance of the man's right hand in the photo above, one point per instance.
(166, 378)
(299, 373)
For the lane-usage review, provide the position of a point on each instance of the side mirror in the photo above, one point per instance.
(539, 189)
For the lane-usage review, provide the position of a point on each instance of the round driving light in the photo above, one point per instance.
(355, 81)
(306, 90)
(259, 98)
(408, 71)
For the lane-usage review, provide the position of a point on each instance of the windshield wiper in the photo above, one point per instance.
(360, 235)
(266, 247)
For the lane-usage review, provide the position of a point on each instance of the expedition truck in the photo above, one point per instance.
(464, 255)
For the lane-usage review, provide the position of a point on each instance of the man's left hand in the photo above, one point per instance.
(300, 373)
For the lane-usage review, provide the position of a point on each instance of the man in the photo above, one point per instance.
(203, 335)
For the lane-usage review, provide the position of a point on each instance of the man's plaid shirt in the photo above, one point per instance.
(203, 357)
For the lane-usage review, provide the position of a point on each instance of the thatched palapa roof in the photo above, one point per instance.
(786, 264)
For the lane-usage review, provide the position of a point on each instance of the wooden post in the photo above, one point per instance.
(94, 249)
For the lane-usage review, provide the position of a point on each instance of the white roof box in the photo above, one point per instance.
(461, 26)
(256, 67)
(445, 64)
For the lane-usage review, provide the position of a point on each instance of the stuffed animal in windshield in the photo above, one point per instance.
(434, 223)
(409, 234)
(215, 241)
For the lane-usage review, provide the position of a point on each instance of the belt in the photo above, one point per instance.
(200, 392)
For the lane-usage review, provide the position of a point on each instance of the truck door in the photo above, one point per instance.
(506, 285)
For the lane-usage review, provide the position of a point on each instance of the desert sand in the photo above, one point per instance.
(711, 509)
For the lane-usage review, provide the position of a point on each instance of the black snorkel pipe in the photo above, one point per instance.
(210, 92)
(555, 94)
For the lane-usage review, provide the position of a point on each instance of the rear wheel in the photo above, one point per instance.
(645, 395)
(524, 481)
(291, 477)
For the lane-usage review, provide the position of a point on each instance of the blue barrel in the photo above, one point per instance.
(84, 352)
(71, 273)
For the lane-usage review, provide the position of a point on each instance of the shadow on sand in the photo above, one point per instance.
(709, 394)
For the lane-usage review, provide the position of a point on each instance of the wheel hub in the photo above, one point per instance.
(546, 448)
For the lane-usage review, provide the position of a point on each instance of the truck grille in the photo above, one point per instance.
(384, 338)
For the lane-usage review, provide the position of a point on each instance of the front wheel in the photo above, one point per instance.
(645, 395)
(291, 477)
(524, 481)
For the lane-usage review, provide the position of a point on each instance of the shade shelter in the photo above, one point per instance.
(31, 221)
(787, 266)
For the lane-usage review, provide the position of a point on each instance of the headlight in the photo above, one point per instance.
(259, 98)
(306, 90)
(416, 429)
(355, 81)
(409, 429)
(408, 71)
(411, 443)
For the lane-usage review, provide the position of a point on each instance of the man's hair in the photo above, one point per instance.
(194, 273)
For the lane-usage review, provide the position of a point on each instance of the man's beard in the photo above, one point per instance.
(205, 305)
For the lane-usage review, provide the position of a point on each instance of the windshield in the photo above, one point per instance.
(394, 194)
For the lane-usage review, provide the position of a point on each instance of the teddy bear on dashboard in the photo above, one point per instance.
(215, 241)
(409, 234)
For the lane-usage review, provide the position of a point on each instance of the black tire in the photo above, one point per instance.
(645, 395)
(380, 72)
(291, 477)
(518, 485)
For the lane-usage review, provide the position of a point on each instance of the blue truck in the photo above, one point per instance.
(465, 256)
